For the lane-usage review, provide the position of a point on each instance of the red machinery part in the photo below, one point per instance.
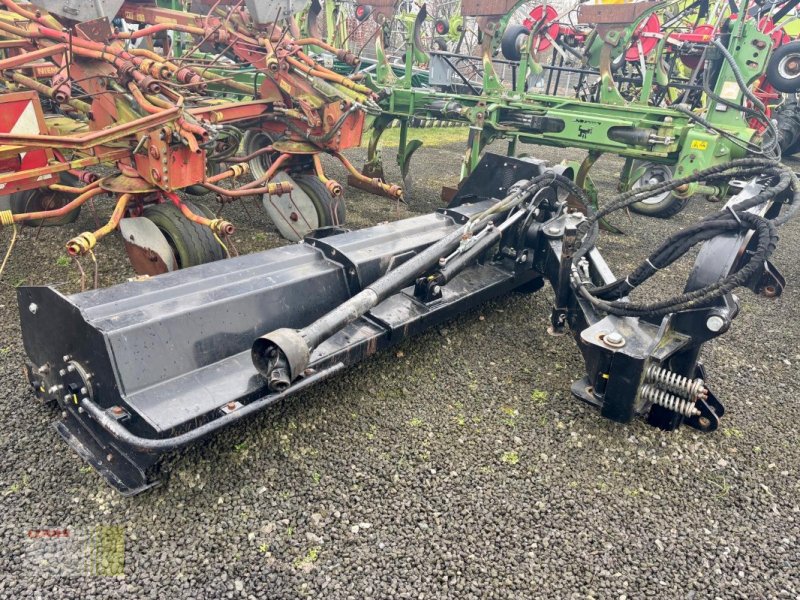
(646, 34)
(21, 113)
(546, 17)
(700, 34)
(778, 35)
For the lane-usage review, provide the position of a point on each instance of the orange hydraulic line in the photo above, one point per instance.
(334, 187)
(269, 174)
(89, 140)
(330, 76)
(91, 191)
(395, 191)
(47, 20)
(339, 52)
(142, 101)
(84, 242)
(153, 56)
(23, 59)
(277, 188)
(218, 226)
(135, 35)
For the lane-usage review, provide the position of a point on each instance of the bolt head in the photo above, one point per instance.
(554, 229)
(715, 323)
(614, 338)
(62, 372)
(66, 358)
(33, 307)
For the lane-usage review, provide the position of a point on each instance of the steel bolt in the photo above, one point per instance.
(33, 308)
(70, 368)
(45, 368)
(554, 229)
(109, 457)
(117, 410)
(614, 339)
(231, 405)
(84, 391)
(715, 323)
(66, 358)
(62, 372)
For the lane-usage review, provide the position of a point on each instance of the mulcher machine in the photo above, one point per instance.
(146, 367)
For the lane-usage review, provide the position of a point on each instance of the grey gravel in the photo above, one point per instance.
(458, 466)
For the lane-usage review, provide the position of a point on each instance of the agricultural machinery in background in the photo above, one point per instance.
(164, 124)
(636, 80)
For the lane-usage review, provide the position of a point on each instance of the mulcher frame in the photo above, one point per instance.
(144, 368)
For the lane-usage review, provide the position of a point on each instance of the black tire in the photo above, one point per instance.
(212, 168)
(192, 244)
(508, 44)
(256, 139)
(783, 68)
(362, 12)
(663, 206)
(330, 211)
(439, 44)
(787, 122)
(44, 199)
(441, 27)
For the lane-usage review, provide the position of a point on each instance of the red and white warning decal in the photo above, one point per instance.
(21, 113)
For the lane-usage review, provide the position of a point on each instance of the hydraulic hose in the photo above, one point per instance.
(730, 220)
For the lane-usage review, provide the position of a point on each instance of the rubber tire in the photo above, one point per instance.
(439, 44)
(330, 211)
(779, 82)
(212, 168)
(365, 15)
(192, 244)
(19, 201)
(665, 209)
(788, 125)
(445, 27)
(508, 44)
(251, 143)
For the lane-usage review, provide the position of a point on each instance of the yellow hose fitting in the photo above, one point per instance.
(222, 227)
(6, 217)
(279, 187)
(240, 169)
(81, 244)
(334, 187)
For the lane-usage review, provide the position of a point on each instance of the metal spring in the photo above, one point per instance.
(692, 389)
(669, 401)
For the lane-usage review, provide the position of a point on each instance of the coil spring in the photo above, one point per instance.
(692, 389)
(669, 401)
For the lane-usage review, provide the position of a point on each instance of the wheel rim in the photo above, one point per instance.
(294, 215)
(653, 174)
(789, 66)
(260, 164)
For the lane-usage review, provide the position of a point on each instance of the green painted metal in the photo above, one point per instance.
(630, 129)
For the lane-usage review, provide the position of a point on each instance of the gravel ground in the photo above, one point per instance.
(487, 481)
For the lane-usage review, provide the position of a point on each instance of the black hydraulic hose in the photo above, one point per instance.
(732, 219)
(119, 432)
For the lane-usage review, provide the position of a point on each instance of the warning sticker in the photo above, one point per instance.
(699, 145)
